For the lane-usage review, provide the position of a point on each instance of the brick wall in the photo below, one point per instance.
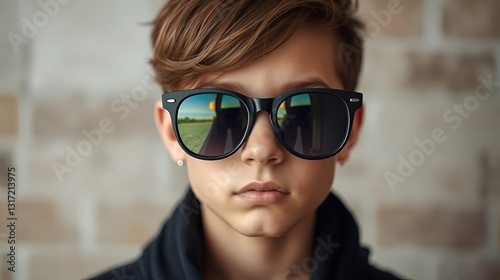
(423, 181)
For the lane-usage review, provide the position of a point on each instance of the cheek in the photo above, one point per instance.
(315, 178)
(210, 179)
(201, 183)
(318, 171)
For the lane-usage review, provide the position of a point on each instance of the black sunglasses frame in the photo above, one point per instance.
(172, 100)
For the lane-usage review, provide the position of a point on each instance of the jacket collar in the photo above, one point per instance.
(175, 253)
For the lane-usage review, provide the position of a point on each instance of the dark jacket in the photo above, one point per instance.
(175, 253)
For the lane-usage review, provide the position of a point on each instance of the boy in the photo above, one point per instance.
(259, 105)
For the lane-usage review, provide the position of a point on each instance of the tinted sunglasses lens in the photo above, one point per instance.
(211, 125)
(313, 124)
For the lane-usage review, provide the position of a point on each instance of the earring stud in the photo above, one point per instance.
(180, 163)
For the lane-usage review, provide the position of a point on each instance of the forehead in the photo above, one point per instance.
(307, 59)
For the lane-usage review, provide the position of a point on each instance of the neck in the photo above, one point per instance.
(228, 254)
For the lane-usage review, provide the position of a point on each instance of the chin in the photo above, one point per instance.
(262, 227)
(262, 233)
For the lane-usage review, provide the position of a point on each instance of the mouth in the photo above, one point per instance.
(263, 193)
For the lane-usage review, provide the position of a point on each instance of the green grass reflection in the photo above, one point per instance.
(194, 132)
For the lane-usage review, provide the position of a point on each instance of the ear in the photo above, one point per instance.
(166, 130)
(353, 137)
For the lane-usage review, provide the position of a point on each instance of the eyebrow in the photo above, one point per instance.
(238, 87)
(223, 85)
(307, 83)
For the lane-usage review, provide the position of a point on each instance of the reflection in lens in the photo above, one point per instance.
(313, 124)
(211, 124)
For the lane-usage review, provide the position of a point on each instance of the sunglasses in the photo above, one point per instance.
(311, 123)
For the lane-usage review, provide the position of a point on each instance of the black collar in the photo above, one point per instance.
(175, 253)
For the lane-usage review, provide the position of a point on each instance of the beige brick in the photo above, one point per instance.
(5, 163)
(5, 274)
(41, 154)
(11, 63)
(347, 181)
(64, 116)
(392, 130)
(69, 116)
(471, 19)
(406, 264)
(452, 72)
(397, 122)
(470, 268)
(114, 167)
(72, 266)
(383, 19)
(483, 134)
(38, 221)
(129, 222)
(417, 71)
(431, 227)
(8, 115)
(137, 121)
(492, 176)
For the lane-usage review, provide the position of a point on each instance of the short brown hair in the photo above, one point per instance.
(195, 37)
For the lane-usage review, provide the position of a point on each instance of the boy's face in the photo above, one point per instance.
(296, 186)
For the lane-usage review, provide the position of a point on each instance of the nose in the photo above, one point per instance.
(262, 146)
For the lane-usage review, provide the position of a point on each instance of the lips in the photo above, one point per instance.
(263, 193)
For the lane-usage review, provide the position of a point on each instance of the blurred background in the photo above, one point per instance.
(94, 182)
